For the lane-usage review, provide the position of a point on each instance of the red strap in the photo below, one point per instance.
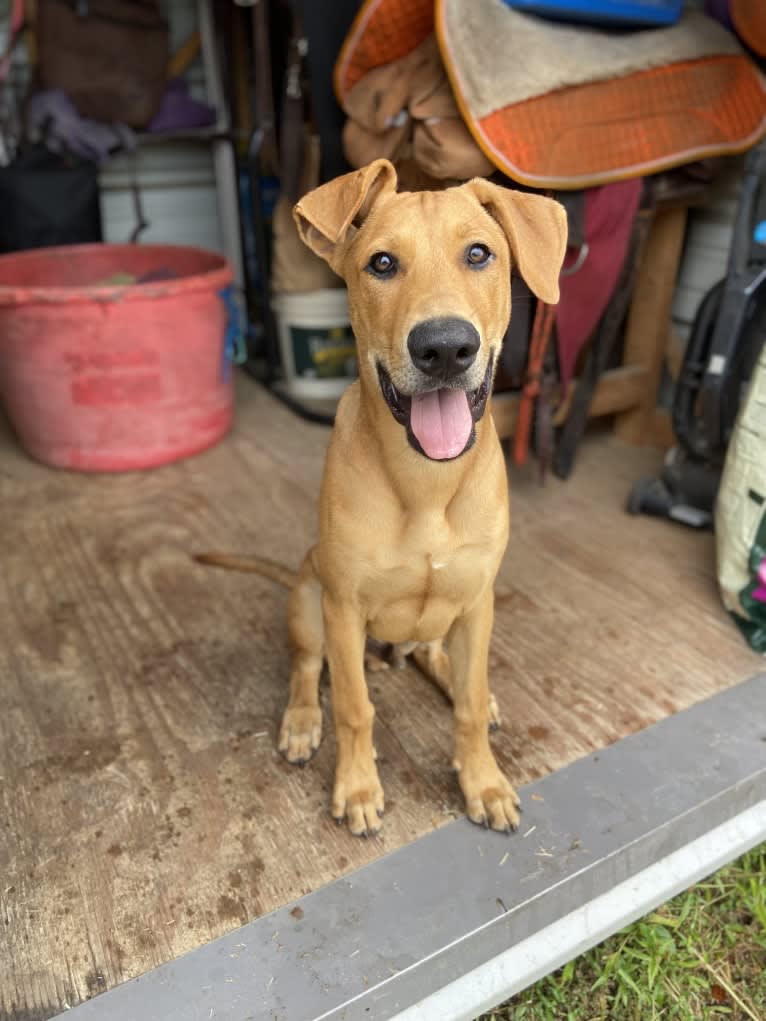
(542, 329)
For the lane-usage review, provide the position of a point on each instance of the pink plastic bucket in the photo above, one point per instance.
(101, 376)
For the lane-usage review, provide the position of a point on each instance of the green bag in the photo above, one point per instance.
(740, 515)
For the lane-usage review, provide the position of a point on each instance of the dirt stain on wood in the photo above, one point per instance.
(538, 733)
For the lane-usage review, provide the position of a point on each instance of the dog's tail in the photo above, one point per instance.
(252, 565)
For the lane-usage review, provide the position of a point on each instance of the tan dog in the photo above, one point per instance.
(413, 513)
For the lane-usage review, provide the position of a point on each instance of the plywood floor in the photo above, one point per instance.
(143, 807)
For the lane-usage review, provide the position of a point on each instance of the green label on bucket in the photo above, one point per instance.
(324, 354)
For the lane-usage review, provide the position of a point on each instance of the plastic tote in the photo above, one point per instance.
(101, 373)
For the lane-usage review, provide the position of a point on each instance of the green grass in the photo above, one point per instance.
(700, 957)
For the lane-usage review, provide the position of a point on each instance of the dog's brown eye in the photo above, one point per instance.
(478, 256)
(382, 264)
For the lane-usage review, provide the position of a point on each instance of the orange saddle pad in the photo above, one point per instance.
(749, 17)
(561, 106)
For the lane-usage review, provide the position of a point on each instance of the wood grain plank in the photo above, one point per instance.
(144, 809)
(648, 325)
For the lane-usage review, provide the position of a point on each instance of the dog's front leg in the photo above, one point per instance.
(489, 798)
(358, 795)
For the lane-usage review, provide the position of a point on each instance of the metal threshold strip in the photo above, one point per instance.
(452, 923)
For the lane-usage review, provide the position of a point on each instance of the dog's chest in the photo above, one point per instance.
(417, 587)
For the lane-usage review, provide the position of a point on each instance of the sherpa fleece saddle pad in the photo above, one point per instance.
(562, 106)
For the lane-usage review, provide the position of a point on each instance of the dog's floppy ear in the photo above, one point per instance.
(325, 216)
(536, 228)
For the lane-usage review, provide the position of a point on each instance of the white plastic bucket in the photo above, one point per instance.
(317, 345)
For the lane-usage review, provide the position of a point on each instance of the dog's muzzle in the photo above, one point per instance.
(439, 422)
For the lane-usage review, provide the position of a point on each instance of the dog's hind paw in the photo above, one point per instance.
(300, 733)
(374, 664)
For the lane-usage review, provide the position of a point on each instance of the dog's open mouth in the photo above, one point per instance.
(439, 423)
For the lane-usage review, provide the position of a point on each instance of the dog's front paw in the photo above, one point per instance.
(300, 733)
(489, 798)
(358, 797)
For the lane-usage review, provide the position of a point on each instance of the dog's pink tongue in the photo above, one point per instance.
(442, 422)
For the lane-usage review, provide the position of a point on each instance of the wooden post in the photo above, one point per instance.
(617, 390)
(648, 325)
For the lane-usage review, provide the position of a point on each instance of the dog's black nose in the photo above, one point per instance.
(443, 347)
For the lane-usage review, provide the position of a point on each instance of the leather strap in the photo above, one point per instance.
(542, 330)
(264, 97)
(544, 412)
(292, 142)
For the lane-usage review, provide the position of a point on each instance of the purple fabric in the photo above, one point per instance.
(155, 275)
(179, 111)
(52, 118)
(760, 592)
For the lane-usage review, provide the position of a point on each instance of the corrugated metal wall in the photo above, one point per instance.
(708, 238)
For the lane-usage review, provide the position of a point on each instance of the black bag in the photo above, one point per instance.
(48, 199)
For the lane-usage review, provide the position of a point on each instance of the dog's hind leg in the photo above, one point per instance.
(433, 661)
(301, 729)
